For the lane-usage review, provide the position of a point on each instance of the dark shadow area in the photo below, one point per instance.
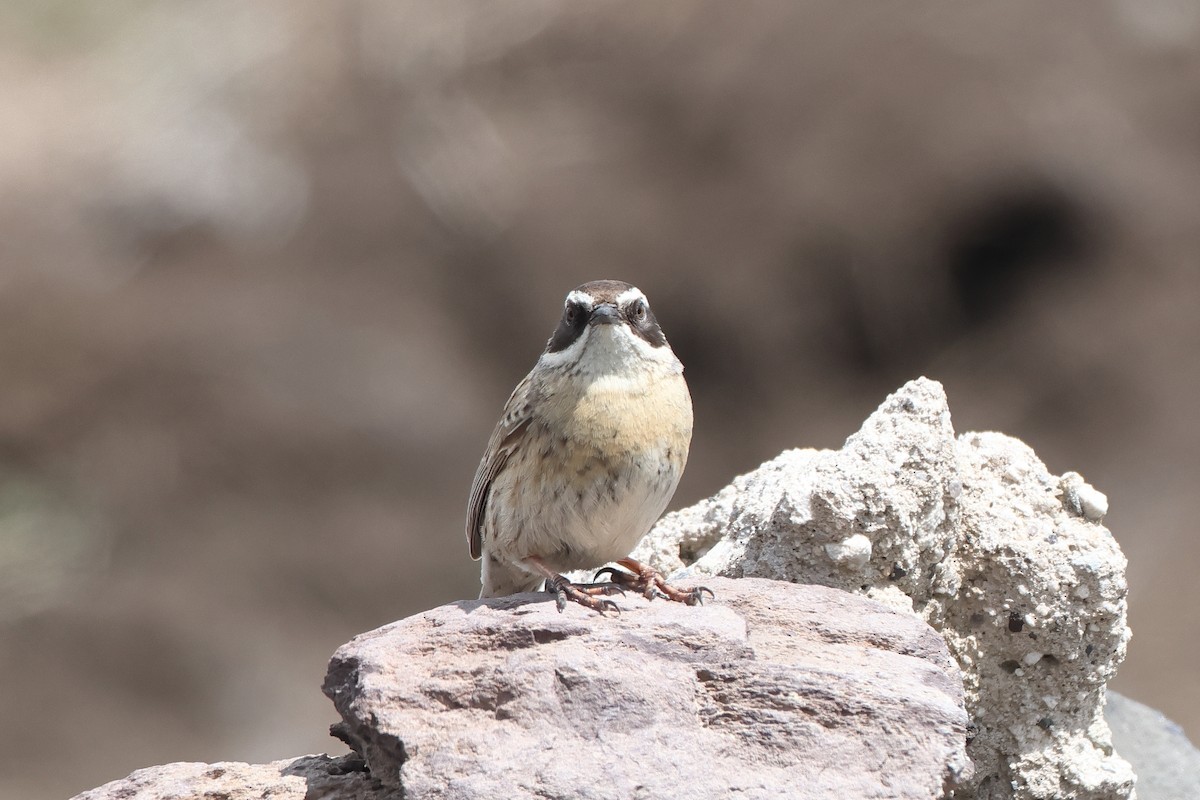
(1000, 246)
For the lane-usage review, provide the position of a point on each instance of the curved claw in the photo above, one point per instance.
(697, 598)
(560, 600)
(612, 572)
(608, 605)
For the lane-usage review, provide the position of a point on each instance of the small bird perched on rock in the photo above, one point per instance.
(586, 456)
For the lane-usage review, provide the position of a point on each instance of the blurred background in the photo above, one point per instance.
(268, 272)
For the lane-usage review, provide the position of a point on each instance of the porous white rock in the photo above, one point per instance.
(853, 553)
(978, 538)
(1082, 498)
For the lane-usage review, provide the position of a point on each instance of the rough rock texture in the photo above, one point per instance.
(304, 778)
(772, 690)
(1167, 764)
(1010, 563)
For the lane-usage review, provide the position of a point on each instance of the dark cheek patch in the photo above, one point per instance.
(647, 329)
(567, 332)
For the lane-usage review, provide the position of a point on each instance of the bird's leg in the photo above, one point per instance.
(651, 583)
(563, 590)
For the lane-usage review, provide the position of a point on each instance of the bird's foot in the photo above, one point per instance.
(586, 594)
(651, 583)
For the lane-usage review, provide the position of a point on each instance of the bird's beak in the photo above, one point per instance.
(604, 314)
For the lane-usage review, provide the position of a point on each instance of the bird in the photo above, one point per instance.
(585, 458)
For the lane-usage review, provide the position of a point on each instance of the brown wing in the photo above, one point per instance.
(504, 442)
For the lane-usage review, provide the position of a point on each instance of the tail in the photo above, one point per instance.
(501, 579)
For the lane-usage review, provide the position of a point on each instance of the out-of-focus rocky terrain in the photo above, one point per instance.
(268, 272)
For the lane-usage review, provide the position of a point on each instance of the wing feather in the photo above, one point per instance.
(505, 441)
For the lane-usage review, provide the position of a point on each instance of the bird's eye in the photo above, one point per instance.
(571, 313)
(639, 311)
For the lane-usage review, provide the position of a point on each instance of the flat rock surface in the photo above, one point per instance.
(771, 690)
(304, 778)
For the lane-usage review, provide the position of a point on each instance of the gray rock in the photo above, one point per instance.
(304, 778)
(1010, 563)
(772, 690)
(1167, 765)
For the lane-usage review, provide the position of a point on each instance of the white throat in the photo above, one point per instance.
(612, 350)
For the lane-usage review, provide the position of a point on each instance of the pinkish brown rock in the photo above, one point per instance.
(773, 690)
(303, 778)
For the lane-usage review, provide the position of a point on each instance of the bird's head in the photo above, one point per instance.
(607, 326)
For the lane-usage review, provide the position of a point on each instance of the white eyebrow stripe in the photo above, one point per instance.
(631, 294)
(582, 298)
